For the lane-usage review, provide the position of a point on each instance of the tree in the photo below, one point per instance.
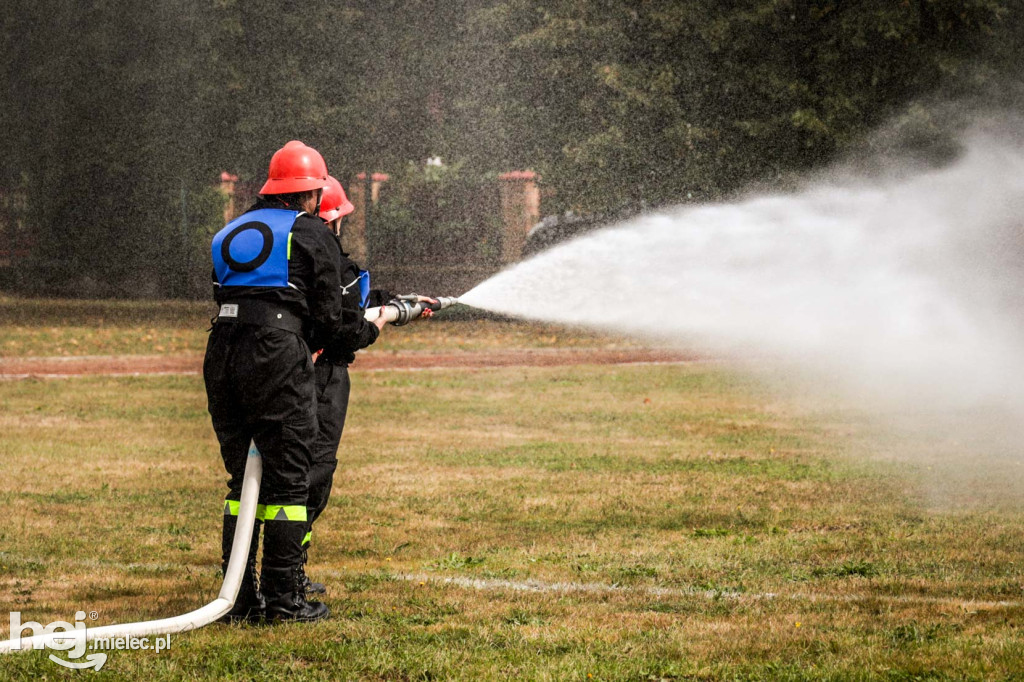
(118, 116)
(660, 101)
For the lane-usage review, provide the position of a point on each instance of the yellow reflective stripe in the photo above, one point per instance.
(272, 512)
(284, 512)
(289, 246)
(309, 536)
(231, 507)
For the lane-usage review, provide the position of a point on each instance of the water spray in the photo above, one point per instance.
(902, 289)
(887, 287)
(193, 620)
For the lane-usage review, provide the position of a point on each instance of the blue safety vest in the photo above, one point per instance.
(363, 280)
(253, 249)
(364, 288)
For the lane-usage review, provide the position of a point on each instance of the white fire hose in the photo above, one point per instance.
(192, 620)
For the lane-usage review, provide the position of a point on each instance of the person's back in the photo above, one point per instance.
(277, 280)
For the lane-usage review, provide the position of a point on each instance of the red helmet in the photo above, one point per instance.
(334, 203)
(295, 168)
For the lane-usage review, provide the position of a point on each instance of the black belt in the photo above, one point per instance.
(261, 313)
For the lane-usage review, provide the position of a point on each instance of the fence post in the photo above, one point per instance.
(354, 233)
(227, 187)
(520, 210)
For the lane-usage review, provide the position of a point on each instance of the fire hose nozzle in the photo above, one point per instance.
(404, 309)
(442, 303)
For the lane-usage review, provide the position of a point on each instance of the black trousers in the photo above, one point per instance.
(332, 392)
(260, 387)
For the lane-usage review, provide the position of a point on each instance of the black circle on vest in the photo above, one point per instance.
(261, 257)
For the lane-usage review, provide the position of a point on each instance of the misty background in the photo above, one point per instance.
(117, 118)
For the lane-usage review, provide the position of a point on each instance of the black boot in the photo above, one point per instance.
(308, 586)
(281, 580)
(250, 604)
(286, 600)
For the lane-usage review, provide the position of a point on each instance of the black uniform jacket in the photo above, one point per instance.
(358, 336)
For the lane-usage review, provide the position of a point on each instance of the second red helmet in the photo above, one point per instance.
(334, 203)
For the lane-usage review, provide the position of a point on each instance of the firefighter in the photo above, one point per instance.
(331, 368)
(277, 279)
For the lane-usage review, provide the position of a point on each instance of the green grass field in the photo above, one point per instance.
(36, 327)
(576, 523)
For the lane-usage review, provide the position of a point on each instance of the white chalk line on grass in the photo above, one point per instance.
(543, 587)
(558, 587)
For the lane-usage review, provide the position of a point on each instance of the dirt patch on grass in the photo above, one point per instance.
(192, 363)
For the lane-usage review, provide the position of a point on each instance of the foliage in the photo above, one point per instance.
(436, 214)
(111, 109)
(660, 101)
(105, 93)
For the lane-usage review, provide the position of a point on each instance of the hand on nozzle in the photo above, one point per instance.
(427, 312)
(381, 320)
